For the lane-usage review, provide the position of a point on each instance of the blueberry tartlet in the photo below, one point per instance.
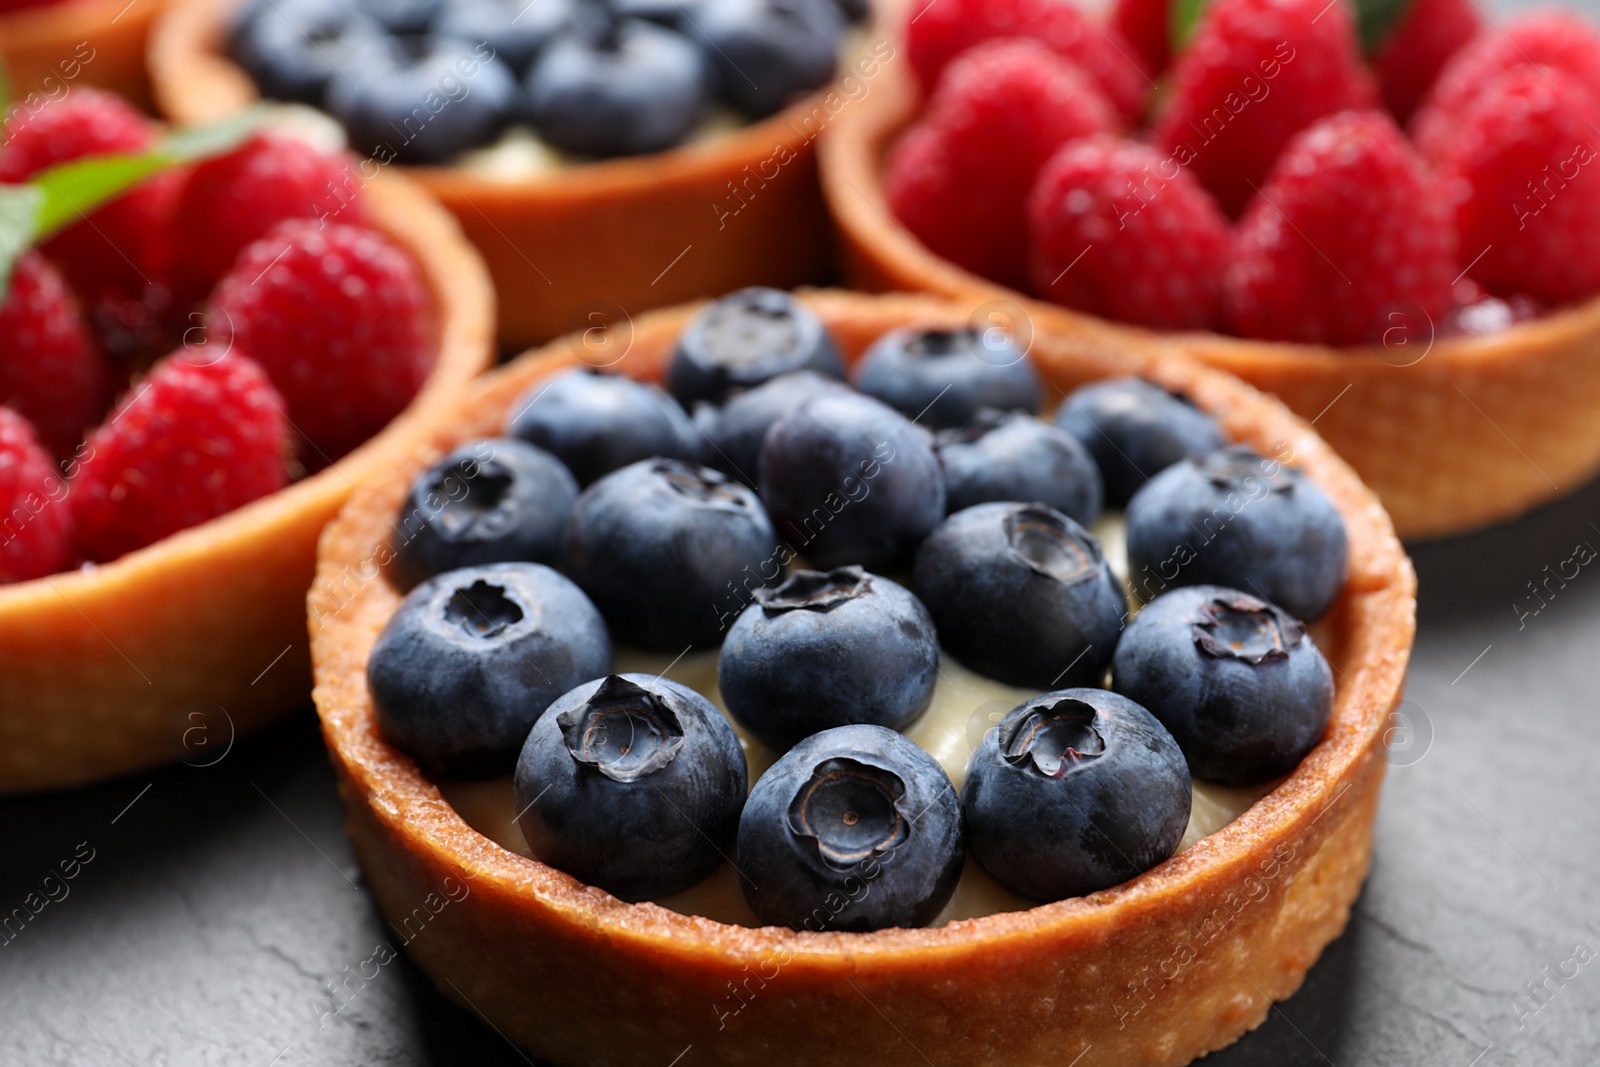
(852, 824)
(603, 155)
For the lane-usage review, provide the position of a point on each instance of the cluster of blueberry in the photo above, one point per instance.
(422, 81)
(631, 782)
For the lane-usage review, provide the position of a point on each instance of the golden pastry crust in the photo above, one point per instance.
(1451, 434)
(170, 651)
(604, 239)
(1173, 964)
(52, 49)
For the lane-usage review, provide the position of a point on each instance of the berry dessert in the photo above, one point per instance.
(854, 767)
(1375, 212)
(199, 408)
(605, 156)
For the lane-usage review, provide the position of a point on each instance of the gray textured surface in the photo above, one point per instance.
(219, 905)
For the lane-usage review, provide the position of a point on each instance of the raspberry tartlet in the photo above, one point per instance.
(51, 46)
(182, 635)
(1360, 305)
(1159, 968)
(571, 240)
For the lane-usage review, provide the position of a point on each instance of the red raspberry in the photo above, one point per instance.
(34, 535)
(1550, 38)
(197, 439)
(119, 247)
(1257, 73)
(1349, 237)
(999, 112)
(1520, 156)
(940, 30)
(50, 371)
(1120, 231)
(340, 318)
(1146, 25)
(1417, 48)
(230, 201)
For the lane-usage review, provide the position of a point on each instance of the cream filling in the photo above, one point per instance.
(965, 706)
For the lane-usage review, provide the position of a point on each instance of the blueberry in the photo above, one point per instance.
(424, 99)
(746, 338)
(1075, 791)
(632, 783)
(660, 544)
(1009, 455)
(828, 649)
(849, 480)
(1135, 430)
(516, 29)
(664, 12)
(1237, 681)
(402, 16)
(292, 49)
(473, 656)
(623, 88)
(491, 501)
(855, 828)
(1237, 519)
(1022, 594)
(596, 423)
(768, 52)
(737, 428)
(943, 377)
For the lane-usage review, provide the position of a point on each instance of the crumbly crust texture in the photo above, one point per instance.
(1174, 964)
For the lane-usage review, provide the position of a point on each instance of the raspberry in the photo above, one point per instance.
(340, 318)
(1146, 25)
(1526, 175)
(1549, 38)
(50, 371)
(34, 535)
(1257, 73)
(120, 246)
(1119, 231)
(1417, 48)
(230, 201)
(197, 439)
(1348, 237)
(940, 30)
(999, 112)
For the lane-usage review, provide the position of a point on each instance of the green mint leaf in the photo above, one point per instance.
(61, 195)
(1377, 18)
(1182, 18)
(19, 210)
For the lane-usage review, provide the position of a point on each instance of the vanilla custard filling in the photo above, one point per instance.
(965, 706)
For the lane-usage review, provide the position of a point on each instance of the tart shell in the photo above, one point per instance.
(50, 49)
(594, 243)
(1451, 434)
(1173, 964)
(173, 650)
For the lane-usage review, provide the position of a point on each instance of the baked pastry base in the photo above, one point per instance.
(1450, 434)
(1165, 968)
(49, 50)
(597, 243)
(173, 650)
